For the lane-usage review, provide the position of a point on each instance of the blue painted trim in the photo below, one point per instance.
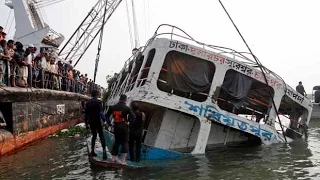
(212, 113)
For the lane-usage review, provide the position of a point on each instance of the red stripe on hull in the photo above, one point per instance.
(15, 143)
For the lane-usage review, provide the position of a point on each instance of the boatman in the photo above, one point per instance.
(120, 113)
(300, 89)
(93, 109)
(135, 137)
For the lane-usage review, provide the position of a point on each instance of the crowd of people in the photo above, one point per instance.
(30, 67)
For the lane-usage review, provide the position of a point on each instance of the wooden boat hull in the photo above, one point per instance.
(98, 160)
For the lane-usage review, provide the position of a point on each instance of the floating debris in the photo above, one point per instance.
(73, 131)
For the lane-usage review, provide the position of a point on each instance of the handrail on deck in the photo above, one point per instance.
(41, 78)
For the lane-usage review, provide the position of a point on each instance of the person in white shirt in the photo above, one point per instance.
(43, 62)
(54, 70)
(29, 60)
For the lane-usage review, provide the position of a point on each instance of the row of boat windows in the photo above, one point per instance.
(191, 77)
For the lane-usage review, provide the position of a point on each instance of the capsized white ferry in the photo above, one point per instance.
(197, 96)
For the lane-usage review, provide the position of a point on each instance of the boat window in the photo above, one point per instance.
(135, 72)
(146, 68)
(292, 115)
(241, 94)
(186, 76)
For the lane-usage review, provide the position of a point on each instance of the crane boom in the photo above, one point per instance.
(88, 30)
(99, 46)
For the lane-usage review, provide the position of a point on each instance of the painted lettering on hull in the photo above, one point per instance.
(212, 113)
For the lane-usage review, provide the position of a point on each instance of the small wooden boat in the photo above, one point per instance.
(148, 155)
(98, 160)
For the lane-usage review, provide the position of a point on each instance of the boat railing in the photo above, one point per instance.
(132, 58)
(175, 33)
(128, 85)
(41, 78)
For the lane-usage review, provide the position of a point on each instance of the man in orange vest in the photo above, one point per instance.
(120, 113)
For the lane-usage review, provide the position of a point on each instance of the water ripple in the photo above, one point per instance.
(66, 158)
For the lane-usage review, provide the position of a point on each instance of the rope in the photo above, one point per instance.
(129, 25)
(146, 13)
(148, 19)
(5, 27)
(135, 29)
(10, 25)
(145, 19)
(260, 66)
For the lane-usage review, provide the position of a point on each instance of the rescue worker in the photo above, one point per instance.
(120, 113)
(135, 136)
(93, 109)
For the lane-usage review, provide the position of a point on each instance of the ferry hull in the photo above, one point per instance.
(11, 144)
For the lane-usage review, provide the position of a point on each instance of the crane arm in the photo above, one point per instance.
(88, 30)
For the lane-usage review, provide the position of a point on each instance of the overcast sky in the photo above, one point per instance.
(283, 34)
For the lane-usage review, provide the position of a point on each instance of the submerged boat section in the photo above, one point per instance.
(196, 96)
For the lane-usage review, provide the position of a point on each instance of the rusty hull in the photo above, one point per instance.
(10, 144)
(33, 114)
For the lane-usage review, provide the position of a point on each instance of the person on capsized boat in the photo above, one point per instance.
(300, 89)
(93, 109)
(135, 136)
(120, 113)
